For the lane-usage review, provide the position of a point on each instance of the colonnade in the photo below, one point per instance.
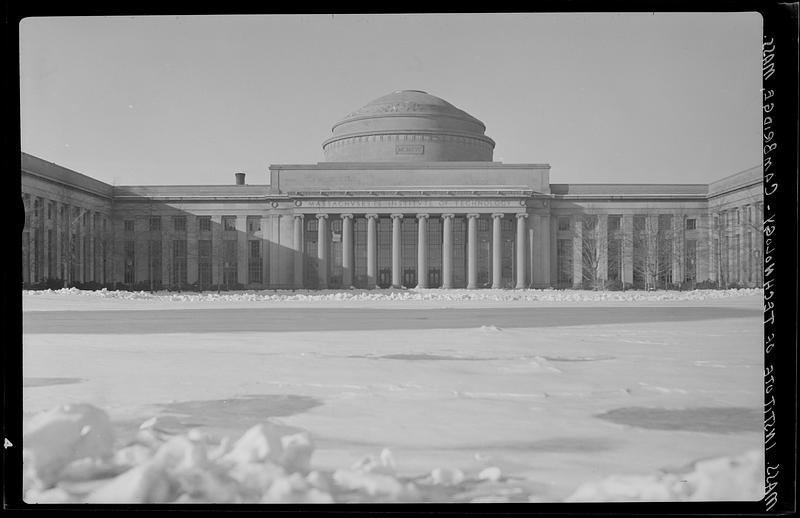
(422, 220)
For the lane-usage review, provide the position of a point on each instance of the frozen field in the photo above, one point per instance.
(554, 390)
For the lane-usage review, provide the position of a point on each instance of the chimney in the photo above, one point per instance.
(239, 178)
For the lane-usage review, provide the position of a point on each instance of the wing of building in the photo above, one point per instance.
(408, 195)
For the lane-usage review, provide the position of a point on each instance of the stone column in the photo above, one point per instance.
(216, 250)
(554, 264)
(81, 237)
(46, 225)
(298, 250)
(521, 250)
(32, 235)
(266, 277)
(322, 250)
(627, 248)
(167, 279)
(601, 242)
(678, 253)
(447, 251)
(577, 251)
(422, 250)
(347, 250)
(744, 251)
(472, 251)
(652, 248)
(57, 224)
(497, 251)
(397, 278)
(242, 251)
(372, 250)
(192, 250)
(90, 237)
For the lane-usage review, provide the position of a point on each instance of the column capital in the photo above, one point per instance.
(497, 215)
(346, 216)
(321, 216)
(396, 216)
(299, 216)
(473, 216)
(423, 216)
(371, 216)
(521, 215)
(449, 215)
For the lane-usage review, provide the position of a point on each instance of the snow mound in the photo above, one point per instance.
(70, 459)
(727, 478)
(381, 295)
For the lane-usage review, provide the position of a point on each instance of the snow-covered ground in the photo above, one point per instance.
(559, 411)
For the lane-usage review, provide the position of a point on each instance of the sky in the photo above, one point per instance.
(601, 97)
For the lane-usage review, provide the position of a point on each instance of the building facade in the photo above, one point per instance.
(408, 196)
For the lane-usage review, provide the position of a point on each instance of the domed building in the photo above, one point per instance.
(408, 195)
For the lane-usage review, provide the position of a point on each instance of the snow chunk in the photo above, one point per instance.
(491, 473)
(54, 438)
(297, 450)
(447, 476)
(260, 443)
(146, 483)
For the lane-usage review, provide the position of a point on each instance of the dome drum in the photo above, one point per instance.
(409, 126)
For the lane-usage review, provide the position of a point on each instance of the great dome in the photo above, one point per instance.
(408, 126)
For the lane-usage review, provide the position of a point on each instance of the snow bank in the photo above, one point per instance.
(435, 295)
(69, 458)
(739, 478)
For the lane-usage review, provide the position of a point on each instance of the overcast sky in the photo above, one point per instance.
(189, 100)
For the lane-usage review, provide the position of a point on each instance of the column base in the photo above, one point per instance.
(521, 286)
(472, 287)
(496, 287)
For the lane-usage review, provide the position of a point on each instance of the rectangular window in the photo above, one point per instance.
(129, 262)
(228, 223)
(50, 210)
(614, 222)
(229, 263)
(563, 223)
(204, 263)
(253, 224)
(204, 223)
(128, 225)
(254, 262)
(155, 223)
(179, 262)
(154, 263)
(564, 262)
(589, 222)
(691, 224)
(690, 261)
(179, 223)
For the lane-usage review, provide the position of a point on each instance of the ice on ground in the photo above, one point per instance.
(725, 478)
(384, 295)
(185, 469)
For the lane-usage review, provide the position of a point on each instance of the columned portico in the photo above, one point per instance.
(497, 251)
(422, 250)
(322, 250)
(396, 251)
(372, 250)
(447, 251)
(472, 251)
(521, 249)
(347, 250)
